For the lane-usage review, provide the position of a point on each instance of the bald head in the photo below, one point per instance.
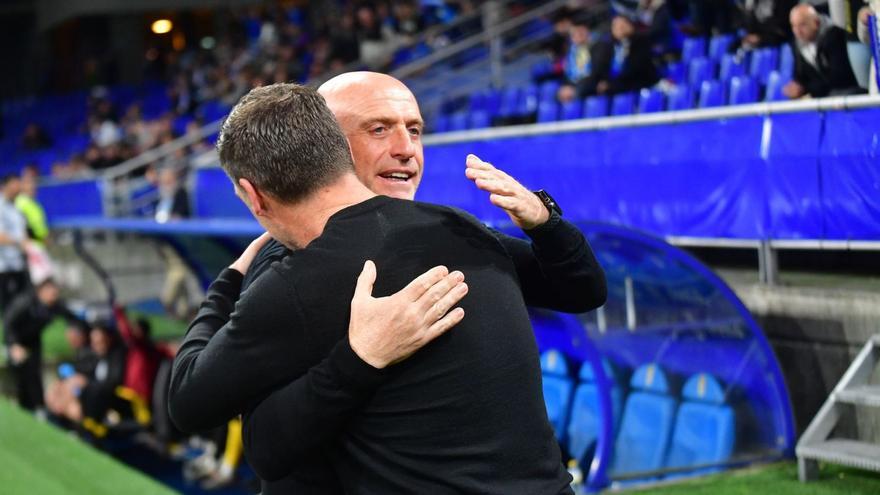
(380, 117)
(352, 87)
(805, 23)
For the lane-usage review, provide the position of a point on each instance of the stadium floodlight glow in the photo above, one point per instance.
(161, 26)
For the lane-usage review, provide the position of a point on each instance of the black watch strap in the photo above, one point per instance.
(549, 202)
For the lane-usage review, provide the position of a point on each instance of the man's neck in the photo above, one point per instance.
(305, 220)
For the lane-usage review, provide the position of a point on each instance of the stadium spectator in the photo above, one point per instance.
(407, 21)
(864, 17)
(72, 376)
(173, 202)
(766, 22)
(24, 321)
(377, 41)
(708, 17)
(98, 392)
(585, 62)
(35, 138)
(822, 65)
(631, 65)
(26, 202)
(655, 22)
(13, 234)
(143, 358)
(38, 261)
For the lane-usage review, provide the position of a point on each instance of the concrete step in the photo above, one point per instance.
(851, 453)
(861, 395)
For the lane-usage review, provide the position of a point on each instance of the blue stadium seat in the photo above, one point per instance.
(731, 66)
(700, 70)
(786, 61)
(558, 387)
(477, 101)
(509, 101)
(548, 111)
(650, 100)
(676, 72)
(711, 94)
(492, 101)
(542, 69)
(705, 427)
(648, 417)
(623, 104)
(679, 98)
(528, 101)
(596, 106)
(693, 48)
(719, 45)
(764, 61)
(743, 89)
(458, 121)
(583, 427)
(571, 110)
(549, 90)
(480, 119)
(775, 83)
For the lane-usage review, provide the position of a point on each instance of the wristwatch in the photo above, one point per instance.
(549, 202)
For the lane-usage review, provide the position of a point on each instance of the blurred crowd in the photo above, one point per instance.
(596, 55)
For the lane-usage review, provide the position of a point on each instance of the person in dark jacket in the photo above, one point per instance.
(99, 392)
(765, 22)
(822, 66)
(24, 321)
(625, 64)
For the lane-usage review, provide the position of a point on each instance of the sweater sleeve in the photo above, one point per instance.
(197, 399)
(558, 269)
(306, 414)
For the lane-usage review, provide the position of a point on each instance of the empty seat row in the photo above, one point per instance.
(653, 428)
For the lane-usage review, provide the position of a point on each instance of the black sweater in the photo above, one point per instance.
(266, 345)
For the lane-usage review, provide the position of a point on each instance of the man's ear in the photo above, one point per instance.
(253, 197)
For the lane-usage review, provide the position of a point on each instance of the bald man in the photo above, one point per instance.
(822, 65)
(382, 123)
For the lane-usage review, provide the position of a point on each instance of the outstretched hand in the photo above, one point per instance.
(385, 330)
(524, 208)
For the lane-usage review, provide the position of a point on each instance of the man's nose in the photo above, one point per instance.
(402, 146)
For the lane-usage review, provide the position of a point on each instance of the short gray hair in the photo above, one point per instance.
(285, 140)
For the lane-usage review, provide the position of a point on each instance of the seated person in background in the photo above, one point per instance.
(173, 201)
(72, 376)
(765, 22)
(583, 62)
(654, 15)
(24, 321)
(98, 392)
(631, 64)
(822, 65)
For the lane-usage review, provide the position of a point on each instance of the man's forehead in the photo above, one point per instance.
(389, 105)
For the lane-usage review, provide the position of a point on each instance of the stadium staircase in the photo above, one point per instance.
(855, 389)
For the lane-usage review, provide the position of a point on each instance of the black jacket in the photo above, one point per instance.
(834, 74)
(638, 69)
(26, 317)
(223, 371)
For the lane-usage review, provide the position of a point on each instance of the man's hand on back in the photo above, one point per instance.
(523, 206)
(244, 261)
(385, 330)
